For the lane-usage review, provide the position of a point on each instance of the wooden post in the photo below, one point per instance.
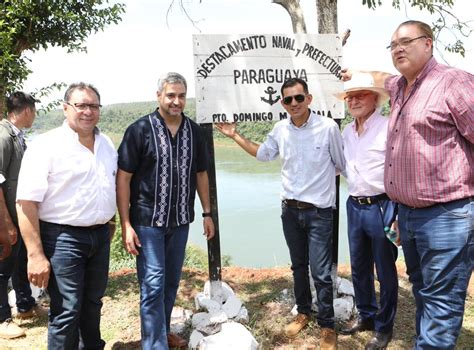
(213, 245)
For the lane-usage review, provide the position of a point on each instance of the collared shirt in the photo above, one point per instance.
(310, 155)
(72, 185)
(163, 185)
(365, 156)
(430, 152)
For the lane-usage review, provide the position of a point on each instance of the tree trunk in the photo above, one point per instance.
(327, 16)
(296, 14)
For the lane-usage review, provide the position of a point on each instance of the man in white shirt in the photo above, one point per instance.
(310, 147)
(65, 198)
(370, 213)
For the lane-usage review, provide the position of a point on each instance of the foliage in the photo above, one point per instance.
(31, 25)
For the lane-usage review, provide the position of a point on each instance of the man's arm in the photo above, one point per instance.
(129, 236)
(230, 130)
(202, 186)
(38, 265)
(6, 222)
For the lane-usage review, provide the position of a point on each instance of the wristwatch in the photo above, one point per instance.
(206, 215)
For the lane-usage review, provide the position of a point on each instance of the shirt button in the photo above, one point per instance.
(390, 165)
(393, 147)
(391, 183)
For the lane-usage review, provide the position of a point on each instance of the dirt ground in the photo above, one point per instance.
(260, 291)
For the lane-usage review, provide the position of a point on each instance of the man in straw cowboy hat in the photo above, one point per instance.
(370, 212)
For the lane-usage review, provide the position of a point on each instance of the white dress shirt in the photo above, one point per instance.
(310, 155)
(72, 185)
(365, 156)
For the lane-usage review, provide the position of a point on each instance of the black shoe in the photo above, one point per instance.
(358, 326)
(379, 341)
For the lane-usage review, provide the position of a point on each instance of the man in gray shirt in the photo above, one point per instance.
(310, 147)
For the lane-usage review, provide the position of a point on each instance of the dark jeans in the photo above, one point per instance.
(79, 260)
(438, 245)
(15, 267)
(159, 265)
(368, 246)
(308, 234)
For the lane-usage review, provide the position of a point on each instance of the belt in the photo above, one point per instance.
(93, 227)
(293, 203)
(369, 200)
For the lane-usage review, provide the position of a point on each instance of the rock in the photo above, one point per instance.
(242, 316)
(218, 291)
(200, 319)
(194, 339)
(233, 336)
(343, 308)
(204, 302)
(345, 287)
(232, 306)
(210, 329)
(218, 316)
(294, 311)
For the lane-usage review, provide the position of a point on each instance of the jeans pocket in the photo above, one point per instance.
(457, 209)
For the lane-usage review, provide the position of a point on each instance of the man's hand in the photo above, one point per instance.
(130, 240)
(209, 229)
(39, 270)
(12, 233)
(5, 245)
(394, 227)
(346, 74)
(228, 129)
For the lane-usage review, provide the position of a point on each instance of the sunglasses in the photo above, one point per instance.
(298, 98)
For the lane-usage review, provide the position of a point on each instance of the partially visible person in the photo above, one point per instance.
(21, 114)
(429, 171)
(370, 213)
(66, 197)
(310, 147)
(163, 161)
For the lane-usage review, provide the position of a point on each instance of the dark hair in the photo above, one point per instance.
(292, 82)
(18, 101)
(80, 86)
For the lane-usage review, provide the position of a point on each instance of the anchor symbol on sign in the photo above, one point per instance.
(270, 92)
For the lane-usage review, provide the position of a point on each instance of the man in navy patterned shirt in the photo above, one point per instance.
(162, 163)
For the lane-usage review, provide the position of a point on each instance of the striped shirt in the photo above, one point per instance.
(430, 152)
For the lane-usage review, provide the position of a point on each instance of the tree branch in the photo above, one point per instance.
(296, 14)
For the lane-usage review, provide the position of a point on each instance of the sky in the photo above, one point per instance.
(125, 60)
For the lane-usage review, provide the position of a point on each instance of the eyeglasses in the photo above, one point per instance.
(81, 107)
(289, 99)
(357, 97)
(404, 43)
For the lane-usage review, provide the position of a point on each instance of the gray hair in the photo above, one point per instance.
(80, 86)
(171, 78)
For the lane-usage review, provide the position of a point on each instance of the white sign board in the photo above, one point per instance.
(238, 77)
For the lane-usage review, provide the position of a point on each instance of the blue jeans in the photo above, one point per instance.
(438, 246)
(368, 245)
(79, 260)
(15, 267)
(308, 234)
(159, 265)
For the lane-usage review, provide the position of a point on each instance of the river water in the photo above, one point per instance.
(249, 212)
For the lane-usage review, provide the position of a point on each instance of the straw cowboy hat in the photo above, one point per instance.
(363, 82)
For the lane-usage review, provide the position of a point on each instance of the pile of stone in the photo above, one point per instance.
(220, 322)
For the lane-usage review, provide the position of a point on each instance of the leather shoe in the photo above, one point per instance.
(358, 325)
(175, 341)
(379, 341)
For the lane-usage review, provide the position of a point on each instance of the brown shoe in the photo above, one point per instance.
(36, 311)
(175, 341)
(10, 330)
(328, 339)
(300, 321)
